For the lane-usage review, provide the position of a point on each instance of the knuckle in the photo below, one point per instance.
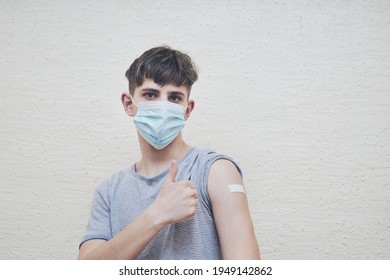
(191, 212)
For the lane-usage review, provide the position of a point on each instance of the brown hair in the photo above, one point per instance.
(165, 66)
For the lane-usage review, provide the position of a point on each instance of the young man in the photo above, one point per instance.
(176, 202)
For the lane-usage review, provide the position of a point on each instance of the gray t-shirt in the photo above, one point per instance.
(124, 196)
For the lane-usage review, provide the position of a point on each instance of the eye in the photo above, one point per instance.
(149, 95)
(175, 98)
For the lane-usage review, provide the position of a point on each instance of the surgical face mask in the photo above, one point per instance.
(159, 122)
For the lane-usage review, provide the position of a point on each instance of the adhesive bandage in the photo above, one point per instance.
(236, 188)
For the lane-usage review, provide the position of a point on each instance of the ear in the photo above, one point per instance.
(190, 108)
(127, 102)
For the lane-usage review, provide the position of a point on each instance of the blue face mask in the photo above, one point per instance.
(159, 122)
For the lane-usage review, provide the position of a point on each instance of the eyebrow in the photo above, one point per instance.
(176, 92)
(151, 89)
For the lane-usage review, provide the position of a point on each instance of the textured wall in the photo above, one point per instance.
(298, 92)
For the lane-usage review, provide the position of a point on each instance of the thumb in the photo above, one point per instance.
(171, 177)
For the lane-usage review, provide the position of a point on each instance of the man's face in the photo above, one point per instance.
(150, 91)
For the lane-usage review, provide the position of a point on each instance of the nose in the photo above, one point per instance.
(163, 97)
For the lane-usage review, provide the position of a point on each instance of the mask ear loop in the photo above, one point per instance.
(132, 100)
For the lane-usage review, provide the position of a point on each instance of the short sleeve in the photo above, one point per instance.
(99, 223)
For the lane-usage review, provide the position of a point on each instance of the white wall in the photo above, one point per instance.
(298, 92)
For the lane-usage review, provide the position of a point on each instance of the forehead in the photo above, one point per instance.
(150, 84)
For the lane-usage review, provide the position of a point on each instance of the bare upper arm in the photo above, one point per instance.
(231, 213)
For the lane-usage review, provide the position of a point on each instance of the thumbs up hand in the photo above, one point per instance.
(177, 201)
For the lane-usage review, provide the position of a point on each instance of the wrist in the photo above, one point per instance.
(156, 217)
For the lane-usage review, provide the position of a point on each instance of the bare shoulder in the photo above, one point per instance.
(224, 169)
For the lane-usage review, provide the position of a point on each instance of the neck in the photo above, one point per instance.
(154, 162)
